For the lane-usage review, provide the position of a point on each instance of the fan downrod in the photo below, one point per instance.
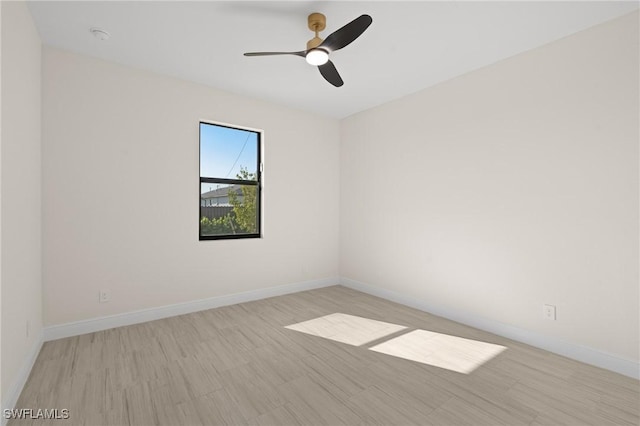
(316, 22)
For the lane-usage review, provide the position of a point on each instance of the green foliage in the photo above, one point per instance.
(244, 212)
(242, 219)
(221, 225)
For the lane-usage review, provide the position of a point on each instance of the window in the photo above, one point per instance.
(229, 182)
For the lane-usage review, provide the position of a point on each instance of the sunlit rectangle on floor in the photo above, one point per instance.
(440, 350)
(349, 329)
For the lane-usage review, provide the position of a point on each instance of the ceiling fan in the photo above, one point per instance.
(318, 50)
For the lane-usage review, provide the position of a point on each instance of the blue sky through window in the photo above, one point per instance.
(223, 151)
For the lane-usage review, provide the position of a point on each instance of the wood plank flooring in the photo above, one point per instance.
(238, 365)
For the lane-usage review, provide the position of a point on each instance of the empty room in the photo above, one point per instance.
(320, 213)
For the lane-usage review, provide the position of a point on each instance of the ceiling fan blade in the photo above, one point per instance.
(330, 73)
(301, 53)
(345, 35)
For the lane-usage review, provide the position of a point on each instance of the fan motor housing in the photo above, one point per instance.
(314, 42)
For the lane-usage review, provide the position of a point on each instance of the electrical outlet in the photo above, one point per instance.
(549, 312)
(104, 296)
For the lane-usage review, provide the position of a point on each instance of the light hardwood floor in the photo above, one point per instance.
(240, 365)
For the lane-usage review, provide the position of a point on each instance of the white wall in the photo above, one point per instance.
(1, 391)
(121, 194)
(514, 185)
(21, 214)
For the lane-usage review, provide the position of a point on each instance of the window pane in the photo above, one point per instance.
(228, 209)
(228, 153)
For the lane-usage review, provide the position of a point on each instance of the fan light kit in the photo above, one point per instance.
(318, 50)
(317, 57)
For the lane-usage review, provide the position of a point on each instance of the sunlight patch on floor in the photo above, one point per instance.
(349, 329)
(440, 350)
(426, 347)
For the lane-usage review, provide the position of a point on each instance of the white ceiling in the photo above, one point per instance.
(410, 45)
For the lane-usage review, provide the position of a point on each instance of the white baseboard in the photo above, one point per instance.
(580, 353)
(570, 350)
(55, 332)
(11, 398)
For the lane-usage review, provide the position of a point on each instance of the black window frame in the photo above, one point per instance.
(257, 183)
